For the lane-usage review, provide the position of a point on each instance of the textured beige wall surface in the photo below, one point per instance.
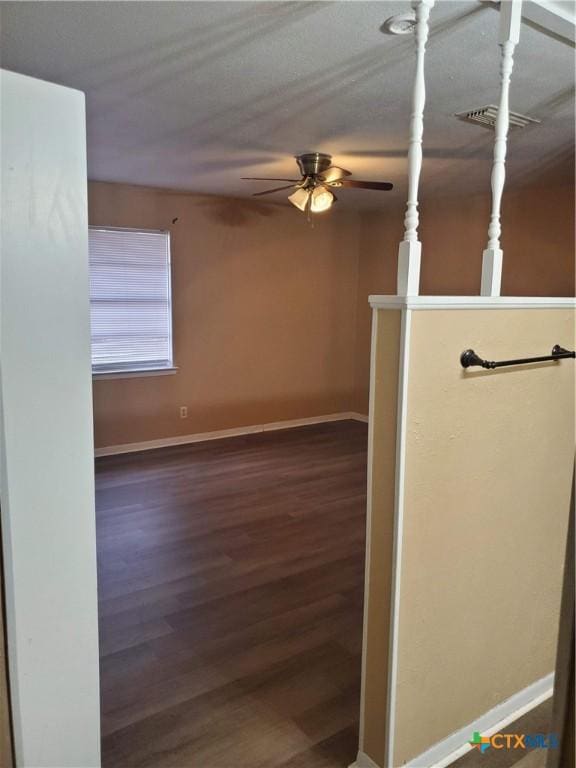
(380, 529)
(488, 472)
(538, 242)
(263, 307)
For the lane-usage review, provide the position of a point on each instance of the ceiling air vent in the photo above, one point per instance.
(486, 116)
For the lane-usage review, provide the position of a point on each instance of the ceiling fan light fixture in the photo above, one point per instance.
(312, 192)
(299, 198)
(322, 200)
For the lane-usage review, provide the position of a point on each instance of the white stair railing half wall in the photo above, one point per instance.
(510, 20)
(409, 252)
(410, 249)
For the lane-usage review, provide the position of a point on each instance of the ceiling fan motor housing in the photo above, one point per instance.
(313, 163)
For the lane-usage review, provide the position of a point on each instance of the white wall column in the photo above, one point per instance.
(409, 252)
(510, 20)
(46, 447)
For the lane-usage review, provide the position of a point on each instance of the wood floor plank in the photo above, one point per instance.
(332, 752)
(230, 594)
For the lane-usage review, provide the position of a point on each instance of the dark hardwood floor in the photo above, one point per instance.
(230, 589)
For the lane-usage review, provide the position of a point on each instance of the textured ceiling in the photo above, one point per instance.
(194, 95)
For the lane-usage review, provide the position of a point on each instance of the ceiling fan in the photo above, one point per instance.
(313, 192)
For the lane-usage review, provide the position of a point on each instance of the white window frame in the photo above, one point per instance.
(133, 370)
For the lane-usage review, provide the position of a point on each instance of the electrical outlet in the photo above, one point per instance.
(183, 412)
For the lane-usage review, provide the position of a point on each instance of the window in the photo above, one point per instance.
(130, 304)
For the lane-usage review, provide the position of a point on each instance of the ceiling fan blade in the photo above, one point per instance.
(256, 178)
(276, 189)
(382, 185)
(334, 173)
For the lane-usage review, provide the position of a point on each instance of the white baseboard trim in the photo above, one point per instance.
(447, 751)
(363, 761)
(200, 437)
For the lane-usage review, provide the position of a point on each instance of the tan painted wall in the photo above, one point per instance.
(488, 474)
(380, 529)
(271, 319)
(377, 264)
(264, 309)
(538, 240)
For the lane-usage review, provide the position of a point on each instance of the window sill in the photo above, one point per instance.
(134, 374)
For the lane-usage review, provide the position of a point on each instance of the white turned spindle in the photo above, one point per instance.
(510, 19)
(409, 252)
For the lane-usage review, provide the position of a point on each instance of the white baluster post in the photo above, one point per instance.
(410, 249)
(510, 20)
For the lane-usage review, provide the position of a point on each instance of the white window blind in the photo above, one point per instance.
(130, 303)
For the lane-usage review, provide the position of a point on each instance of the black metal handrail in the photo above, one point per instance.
(469, 358)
